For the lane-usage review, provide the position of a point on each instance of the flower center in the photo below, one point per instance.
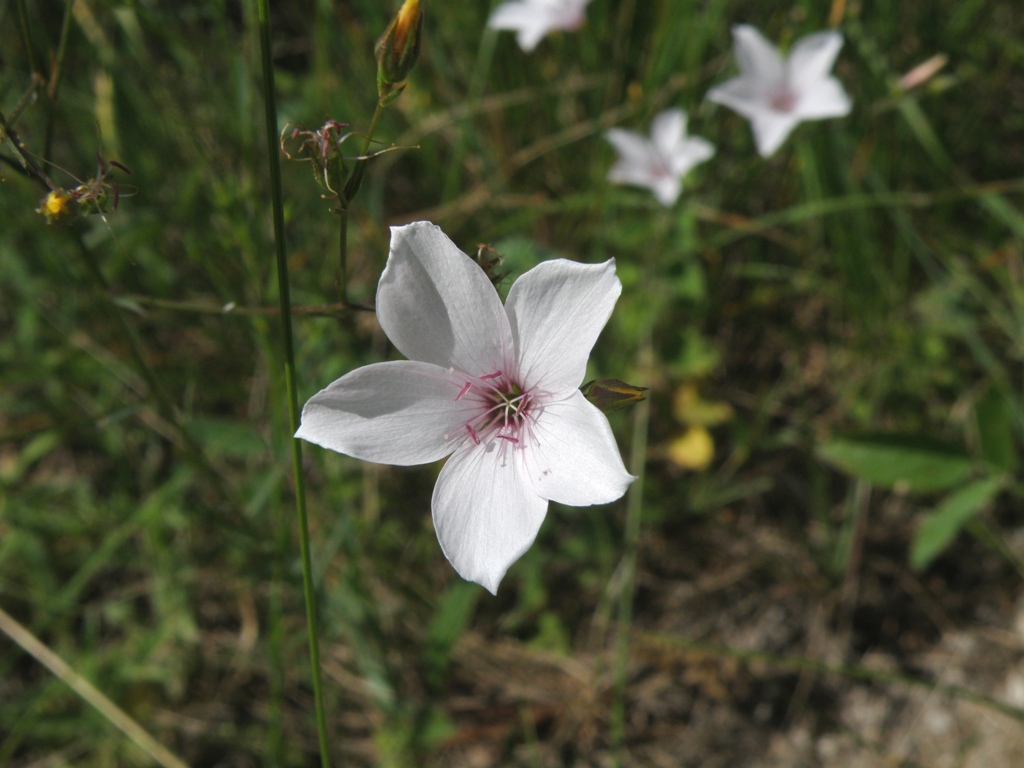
(660, 170)
(783, 100)
(500, 409)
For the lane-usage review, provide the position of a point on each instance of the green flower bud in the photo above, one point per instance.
(612, 394)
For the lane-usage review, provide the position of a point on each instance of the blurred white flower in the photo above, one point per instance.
(658, 163)
(496, 388)
(776, 94)
(533, 19)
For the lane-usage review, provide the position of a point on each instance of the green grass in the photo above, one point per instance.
(866, 279)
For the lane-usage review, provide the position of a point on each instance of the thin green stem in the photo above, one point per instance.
(55, 77)
(134, 301)
(275, 641)
(634, 508)
(351, 188)
(25, 36)
(373, 126)
(343, 256)
(270, 113)
(28, 162)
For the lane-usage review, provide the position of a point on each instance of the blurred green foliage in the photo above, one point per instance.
(866, 279)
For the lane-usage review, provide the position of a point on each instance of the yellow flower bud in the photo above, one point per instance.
(397, 49)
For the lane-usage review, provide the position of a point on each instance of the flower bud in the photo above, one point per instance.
(612, 394)
(397, 50)
(491, 262)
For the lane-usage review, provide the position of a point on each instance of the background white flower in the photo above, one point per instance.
(494, 387)
(658, 163)
(533, 19)
(776, 94)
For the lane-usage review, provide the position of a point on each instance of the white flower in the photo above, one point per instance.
(775, 95)
(659, 163)
(494, 387)
(533, 19)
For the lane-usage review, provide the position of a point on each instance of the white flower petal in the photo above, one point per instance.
(758, 59)
(437, 305)
(825, 99)
(398, 412)
(742, 95)
(771, 129)
(485, 513)
(811, 59)
(634, 149)
(512, 16)
(628, 173)
(572, 457)
(667, 131)
(533, 19)
(557, 311)
(693, 151)
(529, 37)
(667, 189)
(565, 14)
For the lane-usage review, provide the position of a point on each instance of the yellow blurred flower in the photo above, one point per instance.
(694, 449)
(690, 408)
(55, 205)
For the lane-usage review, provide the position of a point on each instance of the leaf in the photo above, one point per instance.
(906, 462)
(230, 438)
(36, 449)
(941, 526)
(995, 432)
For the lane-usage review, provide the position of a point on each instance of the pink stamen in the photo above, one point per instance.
(500, 409)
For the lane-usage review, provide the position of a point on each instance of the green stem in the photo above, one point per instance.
(373, 127)
(133, 301)
(26, 37)
(32, 168)
(270, 112)
(55, 77)
(343, 256)
(634, 508)
(275, 639)
(351, 188)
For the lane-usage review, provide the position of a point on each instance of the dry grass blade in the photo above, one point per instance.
(89, 693)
